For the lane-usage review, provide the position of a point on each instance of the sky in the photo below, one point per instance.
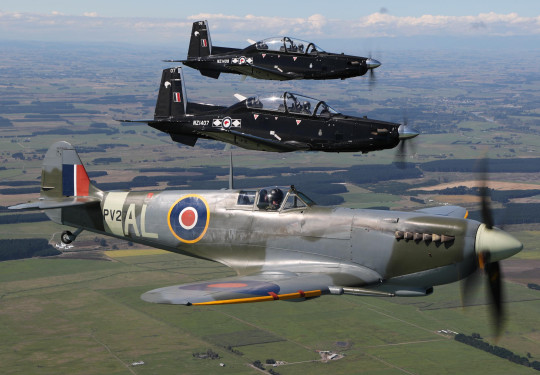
(232, 22)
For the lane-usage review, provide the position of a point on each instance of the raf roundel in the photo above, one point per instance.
(227, 122)
(188, 218)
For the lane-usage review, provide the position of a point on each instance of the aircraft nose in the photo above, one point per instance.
(406, 132)
(499, 244)
(372, 63)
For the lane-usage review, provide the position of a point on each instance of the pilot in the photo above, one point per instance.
(275, 197)
(307, 108)
(301, 47)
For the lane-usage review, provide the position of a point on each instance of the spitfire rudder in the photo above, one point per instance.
(172, 100)
(63, 174)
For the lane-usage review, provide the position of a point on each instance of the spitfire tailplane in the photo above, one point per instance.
(172, 99)
(64, 181)
(200, 44)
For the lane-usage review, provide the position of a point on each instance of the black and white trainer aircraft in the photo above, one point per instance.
(281, 122)
(279, 58)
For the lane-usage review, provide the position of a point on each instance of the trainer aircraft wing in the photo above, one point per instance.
(450, 211)
(263, 73)
(255, 143)
(260, 287)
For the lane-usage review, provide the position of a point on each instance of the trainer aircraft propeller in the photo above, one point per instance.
(280, 243)
(280, 122)
(279, 58)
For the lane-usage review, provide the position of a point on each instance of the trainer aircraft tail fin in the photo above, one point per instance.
(172, 99)
(200, 44)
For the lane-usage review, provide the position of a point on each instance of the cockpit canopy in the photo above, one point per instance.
(286, 44)
(274, 198)
(291, 103)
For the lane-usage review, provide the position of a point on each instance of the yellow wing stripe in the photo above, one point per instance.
(299, 294)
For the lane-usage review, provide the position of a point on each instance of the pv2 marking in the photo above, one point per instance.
(129, 222)
(116, 215)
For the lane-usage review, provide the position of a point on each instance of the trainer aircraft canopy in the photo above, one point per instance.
(291, 103)
(287, 44)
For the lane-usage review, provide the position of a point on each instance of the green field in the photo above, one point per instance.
(81, 316)
(86, 317)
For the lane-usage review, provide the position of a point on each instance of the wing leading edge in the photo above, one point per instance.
(253, 142)
(260, 287)
(263, 73)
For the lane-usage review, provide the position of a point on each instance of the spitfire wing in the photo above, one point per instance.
(450, 211)
(266, 286)
(255, 143)
(263, 73)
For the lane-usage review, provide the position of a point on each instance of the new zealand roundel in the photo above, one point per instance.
(188, 218)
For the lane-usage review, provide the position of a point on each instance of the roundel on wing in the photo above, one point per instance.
(188, 218)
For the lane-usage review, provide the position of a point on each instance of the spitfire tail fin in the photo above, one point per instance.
(200, 44)
(172, 100)
(63, 175)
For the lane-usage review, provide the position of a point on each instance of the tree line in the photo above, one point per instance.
(25, 248)
(476, 341)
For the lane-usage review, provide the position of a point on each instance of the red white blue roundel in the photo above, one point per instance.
(227, 122)
(188, 218)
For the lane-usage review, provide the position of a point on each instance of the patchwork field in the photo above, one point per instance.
(86, 317)
(80, 313)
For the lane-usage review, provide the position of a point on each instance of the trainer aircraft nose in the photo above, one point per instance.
(497, 243)
(372, 63)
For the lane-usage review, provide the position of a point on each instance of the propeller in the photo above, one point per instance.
(492, 245)
(406, 133)
(371, 65)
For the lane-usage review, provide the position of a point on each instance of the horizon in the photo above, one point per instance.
(350, 27)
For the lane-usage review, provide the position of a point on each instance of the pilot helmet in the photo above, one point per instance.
(275, 195)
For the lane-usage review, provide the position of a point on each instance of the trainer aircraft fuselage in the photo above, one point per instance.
(278, 58)
(281, 122)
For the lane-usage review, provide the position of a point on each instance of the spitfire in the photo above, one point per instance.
(280, 58)
(282, 122)
(277, 239)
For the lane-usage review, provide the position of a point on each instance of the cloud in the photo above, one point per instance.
(378, 24)
(92, 27)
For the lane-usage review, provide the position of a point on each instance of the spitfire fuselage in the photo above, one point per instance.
(387, 249)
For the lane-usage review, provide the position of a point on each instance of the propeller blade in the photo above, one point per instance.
(401, 154)
(372, 80)
(485, 198)
(469, 287)
(493, 272)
